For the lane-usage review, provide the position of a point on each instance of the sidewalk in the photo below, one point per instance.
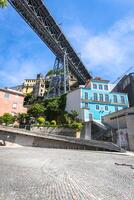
(129, 153)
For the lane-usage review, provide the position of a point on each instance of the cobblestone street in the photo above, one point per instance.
(52, 174)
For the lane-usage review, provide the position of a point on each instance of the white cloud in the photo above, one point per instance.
(16, 71)
(108, 54)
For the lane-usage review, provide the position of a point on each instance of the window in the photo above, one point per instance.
(94, 86)
(115, 99)
(6, 95)
(14, 105)
(116, 108)
(86, 105)
(122, 99)
(100, 87)
(95, 97)
(106, 97)
(86, 95)
(101, 97)
(97, 107)
(106, 108)
(105, 87)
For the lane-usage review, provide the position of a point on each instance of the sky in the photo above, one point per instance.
(101, 31)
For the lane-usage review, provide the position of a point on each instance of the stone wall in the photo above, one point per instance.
(54, 131)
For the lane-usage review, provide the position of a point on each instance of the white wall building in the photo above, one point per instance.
(123, 122)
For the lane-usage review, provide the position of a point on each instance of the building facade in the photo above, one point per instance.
(28, 86)
(11, 101)
(126, 84)
(122, 123)
(39, 87)
(96, 100)
(36, 87)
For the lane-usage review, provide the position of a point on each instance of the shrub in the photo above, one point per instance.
(47, 123)
(53, 122)
(74, 114)
(41, 120)
(22, 118)
(8, 118)
(76, 125)
(36, 110)
(1, 120)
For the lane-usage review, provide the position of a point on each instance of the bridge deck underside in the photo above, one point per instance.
(41, 21)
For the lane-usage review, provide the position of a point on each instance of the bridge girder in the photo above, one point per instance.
(37, 16)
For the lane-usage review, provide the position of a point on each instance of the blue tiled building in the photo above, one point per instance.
(96, 100)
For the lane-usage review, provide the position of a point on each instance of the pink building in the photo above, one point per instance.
(11, 101)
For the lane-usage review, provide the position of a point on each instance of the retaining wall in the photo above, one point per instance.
(11, 137)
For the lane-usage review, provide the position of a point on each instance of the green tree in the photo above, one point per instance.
(29, 98)
(36, 110)
(55, 108)
(52, 109)
(50, 72)
(8, 118)
(3, 3)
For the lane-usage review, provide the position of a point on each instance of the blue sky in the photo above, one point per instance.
(101, 30)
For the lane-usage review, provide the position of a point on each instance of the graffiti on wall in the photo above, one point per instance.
(122, 138)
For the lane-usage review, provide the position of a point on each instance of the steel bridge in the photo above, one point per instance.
(37, 16)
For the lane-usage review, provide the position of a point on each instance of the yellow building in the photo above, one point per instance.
(39, 87)
(28, 86)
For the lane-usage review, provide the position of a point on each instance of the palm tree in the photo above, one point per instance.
(3, 3)
(74, 114)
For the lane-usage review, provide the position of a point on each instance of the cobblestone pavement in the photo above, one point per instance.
(52, 174)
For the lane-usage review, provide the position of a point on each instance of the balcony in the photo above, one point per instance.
(91, 100)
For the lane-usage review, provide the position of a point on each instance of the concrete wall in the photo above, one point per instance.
(130, 129)
(13, 137)
(73, 102)
(86, 131)
(123, 120)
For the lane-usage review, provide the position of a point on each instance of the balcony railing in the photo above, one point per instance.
(103, 102)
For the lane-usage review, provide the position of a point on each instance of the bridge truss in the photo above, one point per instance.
(37, 16)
